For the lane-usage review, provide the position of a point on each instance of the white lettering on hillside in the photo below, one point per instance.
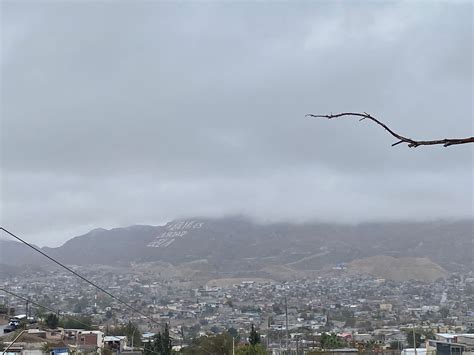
(173, 231)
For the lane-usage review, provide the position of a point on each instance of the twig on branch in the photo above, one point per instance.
(412, 143)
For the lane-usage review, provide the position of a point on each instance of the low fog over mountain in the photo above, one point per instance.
(238, 246)
(168, 110)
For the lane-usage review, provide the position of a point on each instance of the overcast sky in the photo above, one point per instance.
(139, 112)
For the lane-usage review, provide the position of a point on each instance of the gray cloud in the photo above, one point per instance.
(139, 112)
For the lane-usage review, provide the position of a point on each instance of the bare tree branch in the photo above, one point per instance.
(412, 143)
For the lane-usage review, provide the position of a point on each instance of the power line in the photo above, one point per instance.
(80, 276)
(45, 307)
(54, 311)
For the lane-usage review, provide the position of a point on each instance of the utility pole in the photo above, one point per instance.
(268, 331)
(414, 339)
(133, 335)
(286, 320)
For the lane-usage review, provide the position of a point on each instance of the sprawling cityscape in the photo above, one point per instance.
(235, 177)
(364, 312)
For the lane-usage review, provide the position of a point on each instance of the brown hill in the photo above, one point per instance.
(398, 269)
(238, 247)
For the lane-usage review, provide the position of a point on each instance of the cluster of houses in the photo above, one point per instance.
(63, 341)
(359, 309)
(66, 341)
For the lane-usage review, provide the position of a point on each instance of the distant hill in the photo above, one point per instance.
(109, 247)
(239, 247)
(14, 254)
(398, 269)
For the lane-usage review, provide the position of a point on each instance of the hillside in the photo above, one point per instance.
(398, 269)
(239, 247)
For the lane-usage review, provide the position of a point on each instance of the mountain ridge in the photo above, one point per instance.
(239, 246)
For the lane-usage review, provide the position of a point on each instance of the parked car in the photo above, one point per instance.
(9, 328)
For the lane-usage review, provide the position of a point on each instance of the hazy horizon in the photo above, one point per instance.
(243, 218)
(143, 112)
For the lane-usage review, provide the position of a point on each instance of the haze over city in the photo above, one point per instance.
(144, 112)
(236, 177)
